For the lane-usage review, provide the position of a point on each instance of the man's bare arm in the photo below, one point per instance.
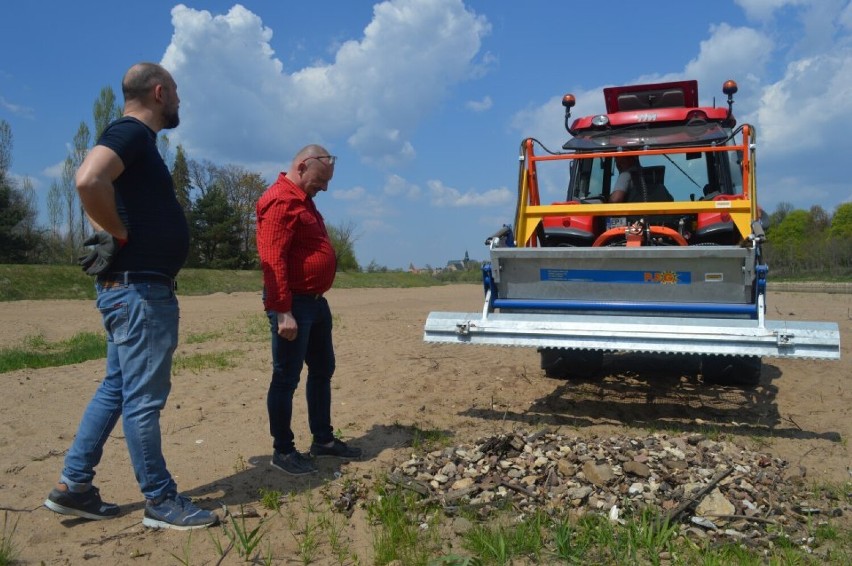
(94, 180)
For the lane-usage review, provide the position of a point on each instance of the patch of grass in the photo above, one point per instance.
(307, 541)
(840, 492)
(502, 544)
(38, 353)
(430, 439)
(270, 499)
(257, 327)
(210, 360)
(339, 545)
(201, 337)
(397, 535)
(8, 547)
(425, 439)
(20, 282)
(389, 279)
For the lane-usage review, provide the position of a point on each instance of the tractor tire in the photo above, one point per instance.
(737, 371)
(560, 363)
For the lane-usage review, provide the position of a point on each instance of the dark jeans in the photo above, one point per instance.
(312, 347)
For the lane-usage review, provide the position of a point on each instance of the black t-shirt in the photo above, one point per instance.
(145, 197)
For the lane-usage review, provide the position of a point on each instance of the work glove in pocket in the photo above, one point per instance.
(104, 249)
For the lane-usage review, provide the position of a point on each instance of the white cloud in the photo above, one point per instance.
(737, 53)
(811, 106)
(397, 186)
(480, 105)
(239, 104)
(16, 109)
(54, 171)
(353, 194)
(444, 196)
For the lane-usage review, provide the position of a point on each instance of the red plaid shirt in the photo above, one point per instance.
(294, 248)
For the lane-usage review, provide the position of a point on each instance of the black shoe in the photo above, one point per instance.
(294, 463)
(338, 449)
(87, 504)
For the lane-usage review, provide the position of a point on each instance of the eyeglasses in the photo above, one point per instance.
(329, 159)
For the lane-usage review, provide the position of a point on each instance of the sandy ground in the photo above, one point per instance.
(389, 385)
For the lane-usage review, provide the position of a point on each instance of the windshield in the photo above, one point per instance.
(686, 176)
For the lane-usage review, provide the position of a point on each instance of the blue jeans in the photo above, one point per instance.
(312, 347)
(141, 321)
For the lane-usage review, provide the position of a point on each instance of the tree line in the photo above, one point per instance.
(218, 200)
(809, 243)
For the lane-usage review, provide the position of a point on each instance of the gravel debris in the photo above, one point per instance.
(711, 488)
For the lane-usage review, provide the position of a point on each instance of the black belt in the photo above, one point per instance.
(111, 280)
(314, 296)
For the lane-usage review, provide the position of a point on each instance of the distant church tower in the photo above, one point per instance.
(466, 259)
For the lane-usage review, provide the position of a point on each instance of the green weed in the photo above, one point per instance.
(244, 540)
(270, 499)
(397, 534)
(307, 541)
(184, 559)
(8, 547)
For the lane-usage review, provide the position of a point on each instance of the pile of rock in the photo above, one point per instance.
(712, 488)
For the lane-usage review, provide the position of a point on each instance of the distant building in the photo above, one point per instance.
(459, 264)
(452, 265)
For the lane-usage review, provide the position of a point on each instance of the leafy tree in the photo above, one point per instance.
(54, 214)
(105, 110)
(13, 246)
(164, 146)
(242, 190)
(343, 240)
(215, 233)
(792, 231)
(5, 148)
(781, 212)
(203, 175)
(20, 240)
(374, 267)
(69, 200)
(820, 221)
(82, 140)
(841, 222)
(180, 177)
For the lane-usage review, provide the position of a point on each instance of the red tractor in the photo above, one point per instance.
(657, 246)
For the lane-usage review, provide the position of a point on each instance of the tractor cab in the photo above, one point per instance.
(661, 132)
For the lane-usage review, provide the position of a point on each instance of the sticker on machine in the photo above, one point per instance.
(616, 276)
(713, 278)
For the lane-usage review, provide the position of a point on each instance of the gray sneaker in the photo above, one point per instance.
(294, 463)
(177, 512)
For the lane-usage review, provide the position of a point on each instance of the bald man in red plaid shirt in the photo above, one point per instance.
(299, 264)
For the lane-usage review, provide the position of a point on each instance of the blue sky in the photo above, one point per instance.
(426, 101)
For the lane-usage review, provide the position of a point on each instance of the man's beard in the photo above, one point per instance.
(172, 120)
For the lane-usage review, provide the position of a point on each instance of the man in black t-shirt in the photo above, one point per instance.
(142, 240)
